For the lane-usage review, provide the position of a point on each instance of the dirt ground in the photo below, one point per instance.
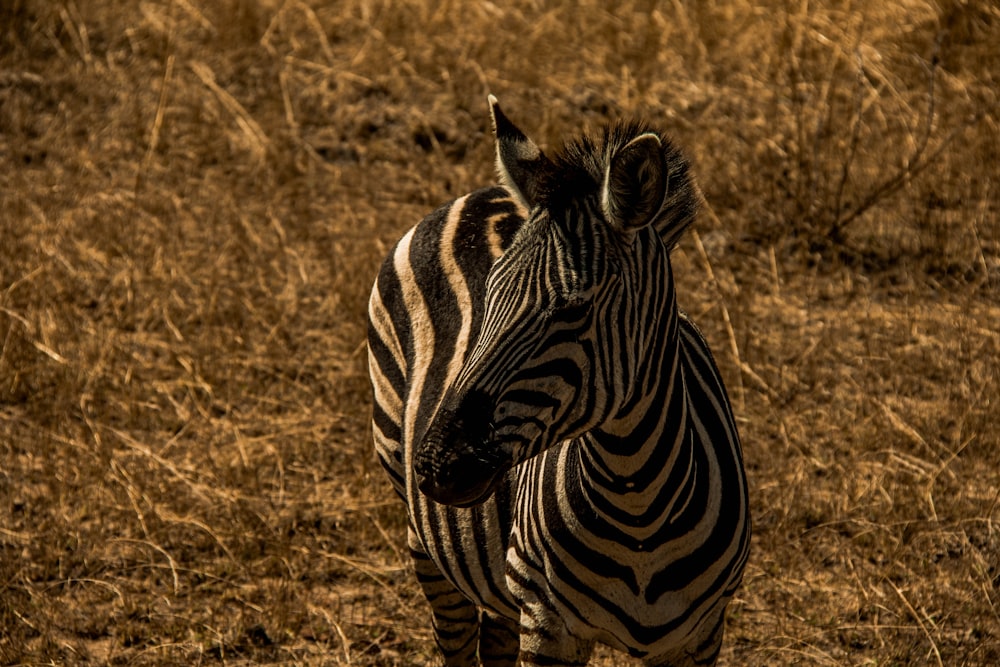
(195, 195)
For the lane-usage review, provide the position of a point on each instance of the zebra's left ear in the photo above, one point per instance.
(635, 183)
(520, 162)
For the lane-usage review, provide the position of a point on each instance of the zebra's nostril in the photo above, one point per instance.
(424, 483)
(422, 470)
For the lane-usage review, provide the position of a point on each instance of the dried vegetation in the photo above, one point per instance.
(194, 197)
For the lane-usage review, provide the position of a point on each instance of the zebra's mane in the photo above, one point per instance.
(578, 171)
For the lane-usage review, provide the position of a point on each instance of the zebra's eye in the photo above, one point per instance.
(574, 306)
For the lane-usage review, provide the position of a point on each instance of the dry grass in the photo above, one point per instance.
(194, 197)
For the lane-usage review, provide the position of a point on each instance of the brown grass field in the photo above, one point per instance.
(194, 198)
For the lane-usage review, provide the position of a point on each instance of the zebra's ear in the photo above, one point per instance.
(635, 183)
(520, 162)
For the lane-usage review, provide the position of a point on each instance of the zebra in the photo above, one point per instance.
(555, 425)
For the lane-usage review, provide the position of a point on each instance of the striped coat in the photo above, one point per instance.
(555, 425)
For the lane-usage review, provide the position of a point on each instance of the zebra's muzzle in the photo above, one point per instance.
(460, 484)
(458, 463)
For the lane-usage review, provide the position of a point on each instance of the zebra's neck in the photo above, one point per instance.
(641, 460)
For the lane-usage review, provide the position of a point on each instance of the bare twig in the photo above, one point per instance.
(257, 140)
(154, 132)
(170, 560)
(856, 124)
(920, 622)
(912, 167)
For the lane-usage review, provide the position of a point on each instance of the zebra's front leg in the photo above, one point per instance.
(499, 641)
(545, 639)
(454, 616)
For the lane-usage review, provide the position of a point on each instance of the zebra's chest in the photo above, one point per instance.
(617, 583)
(605, 529)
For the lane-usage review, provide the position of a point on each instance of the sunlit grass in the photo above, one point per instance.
(194, 198)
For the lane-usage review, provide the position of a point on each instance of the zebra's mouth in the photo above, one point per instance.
(460, 483)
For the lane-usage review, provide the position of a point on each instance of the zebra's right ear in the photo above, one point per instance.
(520, 162)
(635, 183)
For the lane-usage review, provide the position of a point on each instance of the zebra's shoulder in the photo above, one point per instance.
(689, 326)
(701, 368)
(694, 340)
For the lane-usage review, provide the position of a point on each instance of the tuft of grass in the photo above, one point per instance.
(195, 197)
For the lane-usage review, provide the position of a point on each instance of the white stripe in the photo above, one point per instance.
(459, 287)
(422, 334)
(382, 324)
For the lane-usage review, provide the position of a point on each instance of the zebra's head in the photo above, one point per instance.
(572, 307)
